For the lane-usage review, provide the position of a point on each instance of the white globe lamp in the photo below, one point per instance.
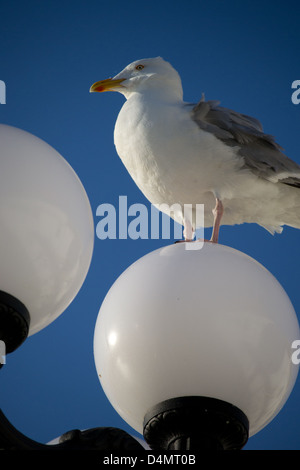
(196, 345)
(47, 234)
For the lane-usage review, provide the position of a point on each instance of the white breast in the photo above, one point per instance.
(162, 147)
(173, 161)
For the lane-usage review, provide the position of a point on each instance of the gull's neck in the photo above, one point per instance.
(156, 90)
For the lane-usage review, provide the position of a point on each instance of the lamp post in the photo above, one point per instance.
(192, 347)
(46, 246)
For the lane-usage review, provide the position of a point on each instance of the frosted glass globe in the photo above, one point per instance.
(47, 231)
(211, 322)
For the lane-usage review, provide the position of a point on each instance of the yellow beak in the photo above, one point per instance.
(106, 85)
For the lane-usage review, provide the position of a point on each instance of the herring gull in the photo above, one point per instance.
(183, 153)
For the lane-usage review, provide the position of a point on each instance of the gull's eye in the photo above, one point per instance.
(139, 67)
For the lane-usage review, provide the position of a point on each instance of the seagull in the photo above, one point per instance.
(181, 153)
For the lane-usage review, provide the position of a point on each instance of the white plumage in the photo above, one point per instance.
(182, 153)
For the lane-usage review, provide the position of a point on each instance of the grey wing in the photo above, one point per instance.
(261, 154)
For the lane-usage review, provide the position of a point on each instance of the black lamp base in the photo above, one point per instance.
(195, 423)
(14, 322)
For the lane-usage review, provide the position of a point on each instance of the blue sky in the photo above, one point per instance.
(245, 54)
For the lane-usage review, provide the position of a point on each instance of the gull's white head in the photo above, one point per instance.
(144, 75)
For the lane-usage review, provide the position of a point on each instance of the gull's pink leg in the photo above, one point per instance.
(217, 212)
